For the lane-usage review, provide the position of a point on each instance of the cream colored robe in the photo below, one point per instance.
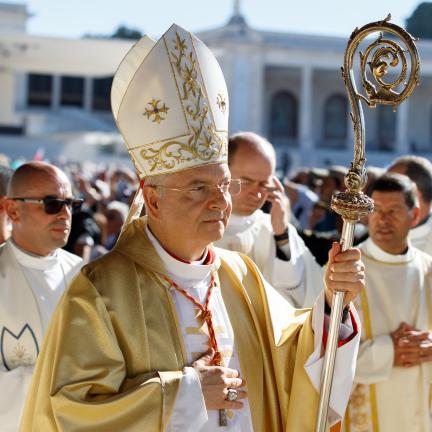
(113, 356)
(299, 280)
(30, 288)
(388, 398)
(421, 236)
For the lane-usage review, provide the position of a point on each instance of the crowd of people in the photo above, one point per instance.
(267, 224)
(194, 294)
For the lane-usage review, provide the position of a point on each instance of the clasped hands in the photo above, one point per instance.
(411, 346)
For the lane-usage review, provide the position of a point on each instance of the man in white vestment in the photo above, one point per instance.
(269, 239)
(34, 272)
(165, 331)
(392, 381)
(419, 170)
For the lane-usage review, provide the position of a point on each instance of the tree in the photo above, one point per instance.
(124, 32)
(419, 23)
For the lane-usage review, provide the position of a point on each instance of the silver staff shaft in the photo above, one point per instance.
(332, 339)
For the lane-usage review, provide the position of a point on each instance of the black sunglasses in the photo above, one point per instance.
(53, 205)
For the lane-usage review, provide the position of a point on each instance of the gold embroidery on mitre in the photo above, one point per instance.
(156, 111)
(221, 102)
(204, 144)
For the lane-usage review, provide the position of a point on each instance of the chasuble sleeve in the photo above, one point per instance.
(296, 339)
(83, 381)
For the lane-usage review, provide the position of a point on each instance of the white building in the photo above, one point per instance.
(284, 86)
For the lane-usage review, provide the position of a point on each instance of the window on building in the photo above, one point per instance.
(335, 120)
(72, 91)
(284, 119)
(101, 94)
(39, 90)
(386, 128)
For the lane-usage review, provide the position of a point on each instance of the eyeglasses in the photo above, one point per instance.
(203, 192)
(53, 205)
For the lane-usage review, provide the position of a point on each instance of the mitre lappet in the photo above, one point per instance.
(170, 102)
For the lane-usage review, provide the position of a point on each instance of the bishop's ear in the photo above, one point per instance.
(151, 199)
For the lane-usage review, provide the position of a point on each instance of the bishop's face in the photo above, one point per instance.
(391, 220)
(192, 210)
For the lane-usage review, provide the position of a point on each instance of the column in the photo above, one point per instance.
(240, 93)
(88, 94)
(8, 115)
(56, 92)
(306, 106)
(402, 140)
(258, 111)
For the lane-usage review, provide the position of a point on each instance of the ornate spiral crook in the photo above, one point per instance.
(379, 58)
(353, 204)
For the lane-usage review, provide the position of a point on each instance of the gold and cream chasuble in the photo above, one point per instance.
(388, 398)
(119, 347)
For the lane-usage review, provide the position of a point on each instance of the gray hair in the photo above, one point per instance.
(155, 180)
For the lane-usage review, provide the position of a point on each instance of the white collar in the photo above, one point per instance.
(193, 272)
(33, 261)
(374, 251)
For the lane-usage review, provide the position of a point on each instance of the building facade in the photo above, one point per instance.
(287, 87)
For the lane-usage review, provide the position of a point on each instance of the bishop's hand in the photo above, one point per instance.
(215, 382)
(345, 272)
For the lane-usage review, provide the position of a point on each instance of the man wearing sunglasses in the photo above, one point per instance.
(34, 272)
(269, 239)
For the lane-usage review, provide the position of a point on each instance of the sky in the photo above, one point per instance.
(74, 18)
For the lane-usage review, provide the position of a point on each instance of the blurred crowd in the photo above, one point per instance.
(108, 192)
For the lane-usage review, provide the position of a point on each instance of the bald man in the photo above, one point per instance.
(271, 242)
(34, 272)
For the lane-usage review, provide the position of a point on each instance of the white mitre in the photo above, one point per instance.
(170, 102)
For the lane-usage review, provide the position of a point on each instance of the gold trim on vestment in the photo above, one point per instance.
(372, 390)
